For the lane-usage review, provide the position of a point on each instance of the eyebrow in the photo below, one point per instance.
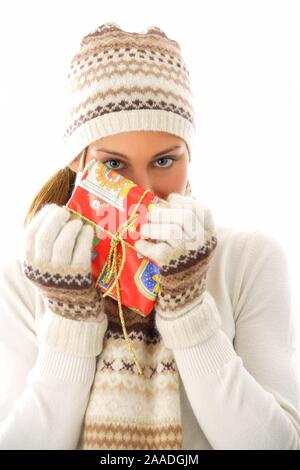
(126, 158)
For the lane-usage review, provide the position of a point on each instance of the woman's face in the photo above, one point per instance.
(154, 160)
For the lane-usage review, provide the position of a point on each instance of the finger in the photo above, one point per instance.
(83, 247)
(176, 199)
(199, 227)
(179, 202)
(163, 232)
(168, 215)
(33, 226)
(154, 251)
(203, 214)
(186, 202)
(48, 231)
(185, 218)
(64, 243)
(209, 221)
(191, 226)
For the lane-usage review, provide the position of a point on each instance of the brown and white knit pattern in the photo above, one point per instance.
(121, 81)
(184, 279)
(67, 291)
(127, 410)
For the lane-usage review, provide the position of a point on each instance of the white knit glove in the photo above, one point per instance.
(58, 263)
(186, 240)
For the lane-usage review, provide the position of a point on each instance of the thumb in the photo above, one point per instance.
(153, 251)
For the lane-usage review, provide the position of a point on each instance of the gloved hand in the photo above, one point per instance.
(58, 262)
(186, 240)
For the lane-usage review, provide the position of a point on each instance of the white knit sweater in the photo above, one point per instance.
(240, 389)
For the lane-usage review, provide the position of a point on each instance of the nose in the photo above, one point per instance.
(142, 180)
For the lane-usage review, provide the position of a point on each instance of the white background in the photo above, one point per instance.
(243, 58)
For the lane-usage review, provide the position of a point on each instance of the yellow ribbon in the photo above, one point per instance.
(112, 264)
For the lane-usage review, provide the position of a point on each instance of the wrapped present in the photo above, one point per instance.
(117, 208)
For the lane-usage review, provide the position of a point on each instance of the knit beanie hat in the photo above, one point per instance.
(122, 81)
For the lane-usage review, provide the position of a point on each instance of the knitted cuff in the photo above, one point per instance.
(189, 327)
(205, 358)
(80, 338)
(67, 367)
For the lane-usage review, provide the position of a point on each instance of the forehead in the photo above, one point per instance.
(136, 138)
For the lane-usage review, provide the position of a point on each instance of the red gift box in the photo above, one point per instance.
(117, 207)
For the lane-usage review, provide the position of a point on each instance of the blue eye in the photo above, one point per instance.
(113, 167)
(166, 158)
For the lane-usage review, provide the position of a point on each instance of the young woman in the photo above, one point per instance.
(218, 349)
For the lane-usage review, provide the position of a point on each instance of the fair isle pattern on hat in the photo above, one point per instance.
(122, 81)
